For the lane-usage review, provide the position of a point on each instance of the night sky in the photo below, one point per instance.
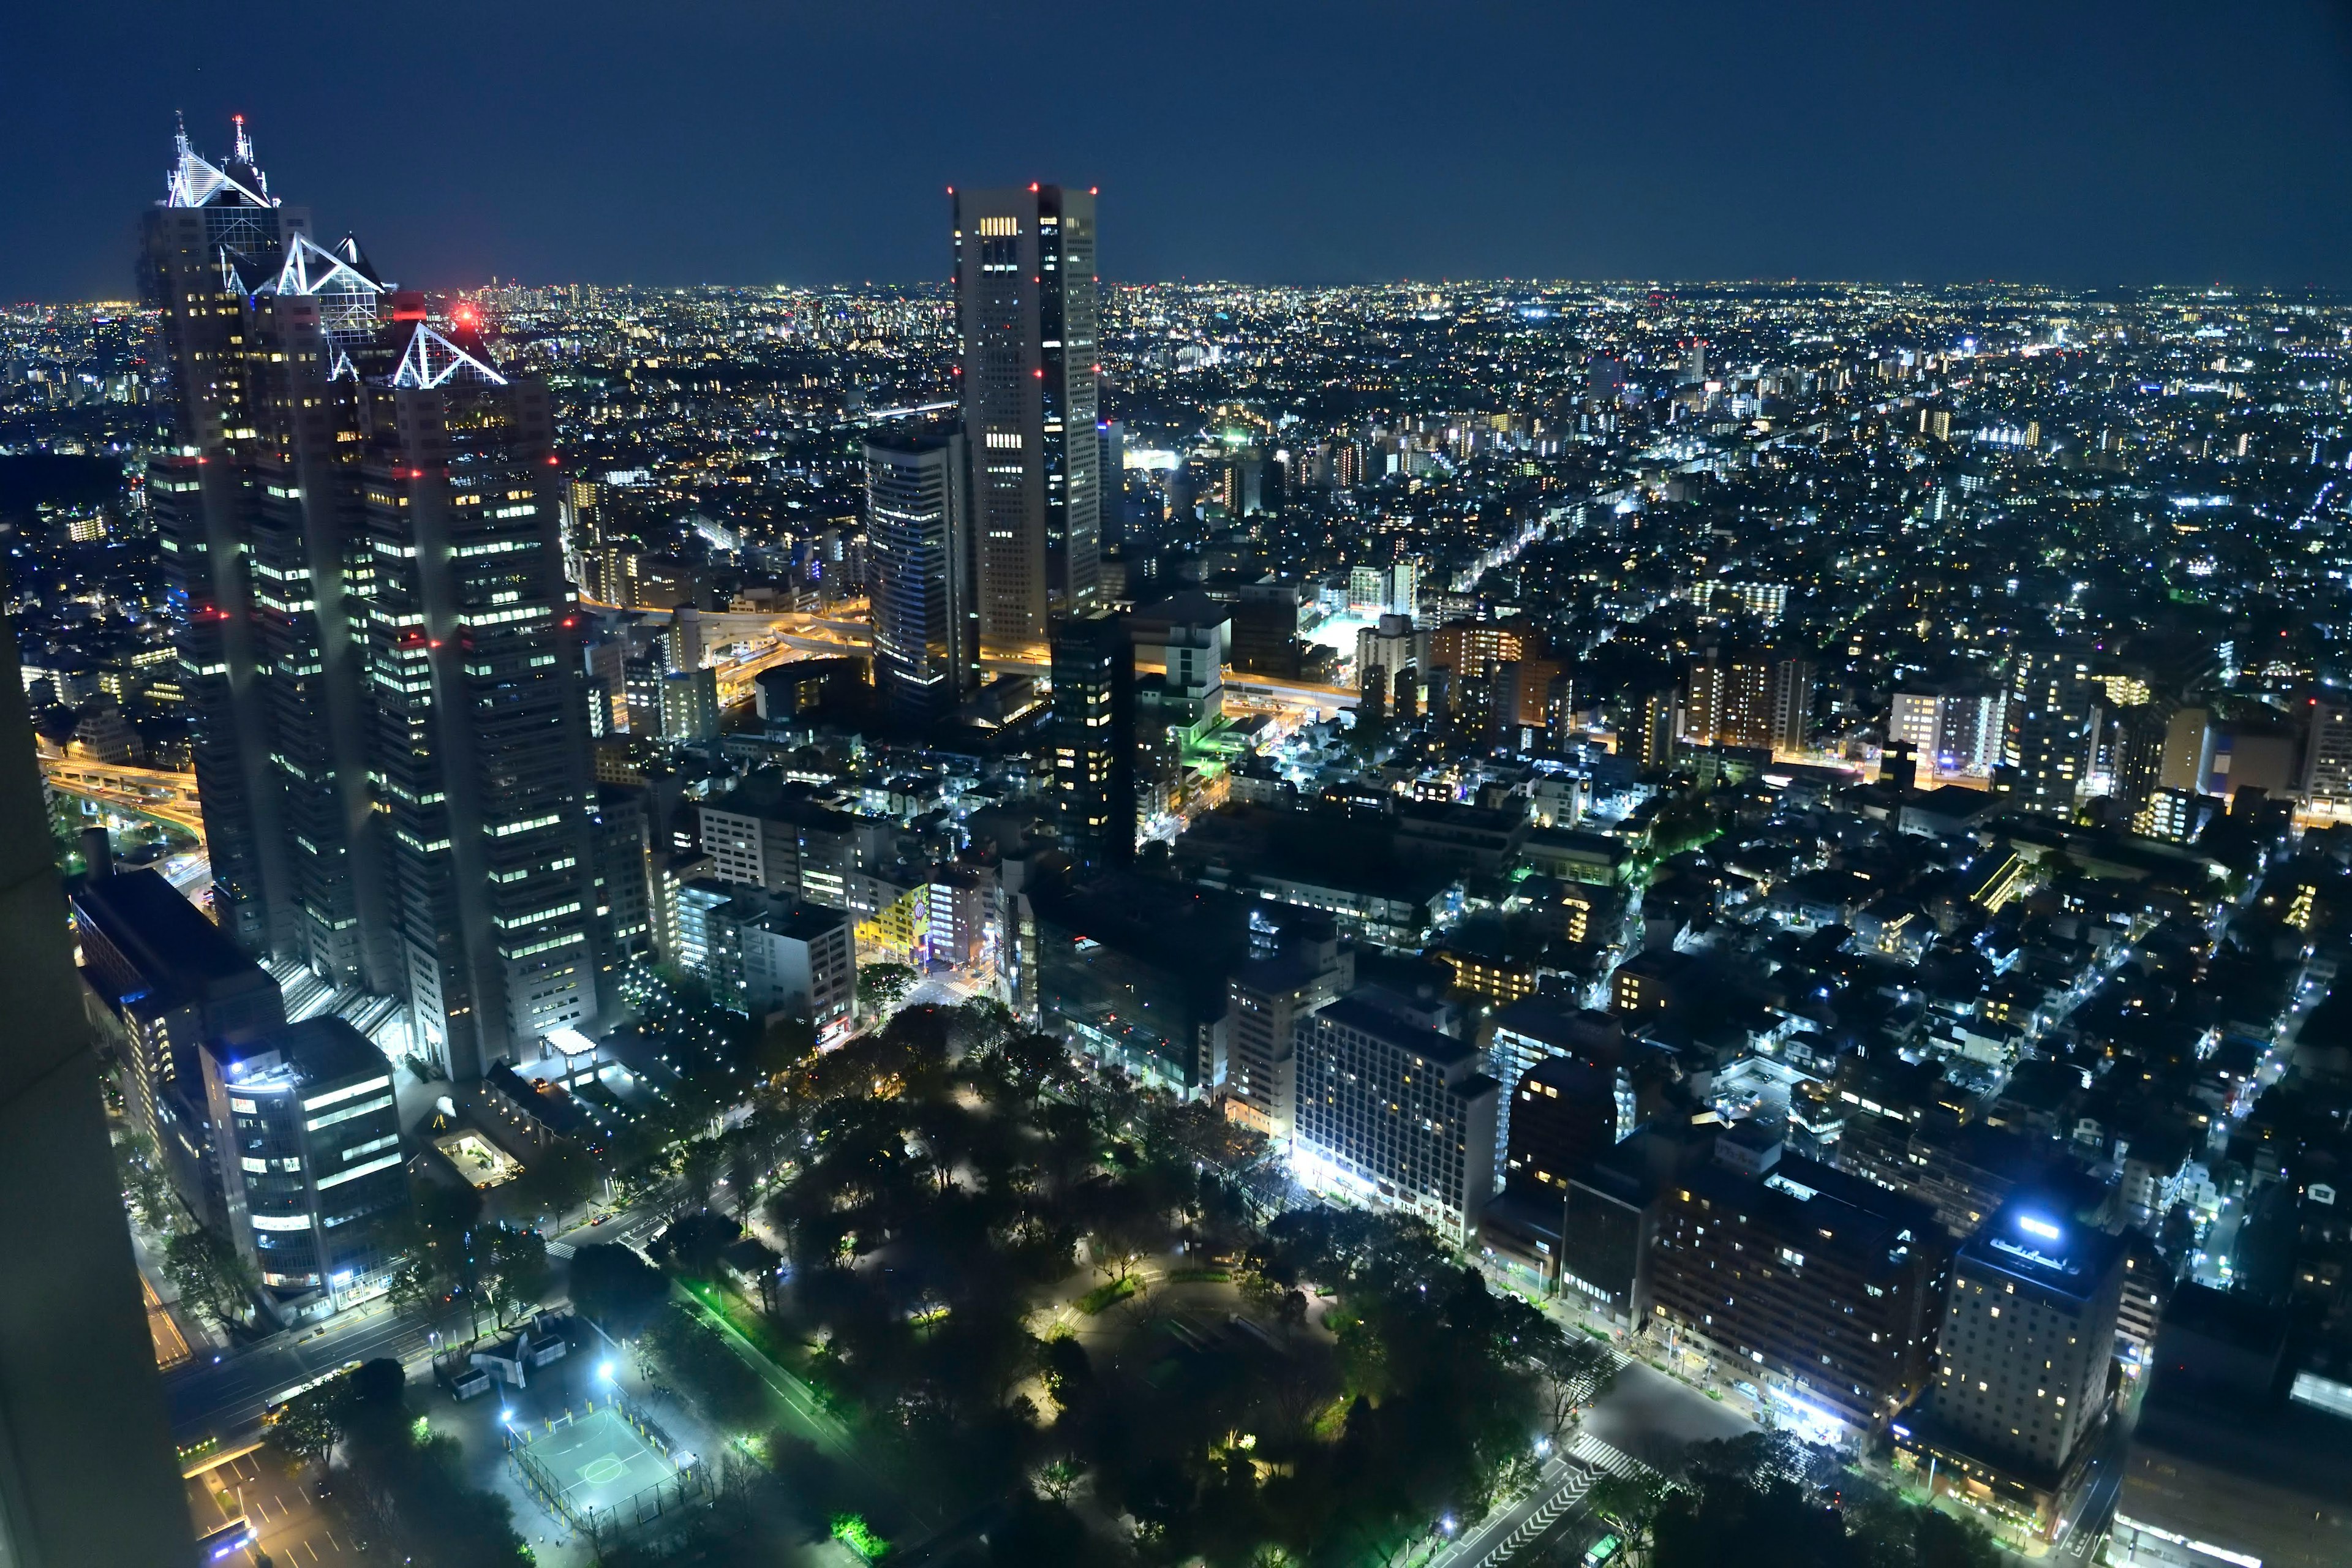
(692, 142)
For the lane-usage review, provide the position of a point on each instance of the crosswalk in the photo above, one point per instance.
(560, 1250)
(1538, 1525)
(1607, 1457)
(1584, 1461)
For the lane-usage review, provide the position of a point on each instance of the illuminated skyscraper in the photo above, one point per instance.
(918, 524)
(389, 722)
(1025, 305)
(2050, 723)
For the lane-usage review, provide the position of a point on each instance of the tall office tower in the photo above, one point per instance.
(1025, 305)
(390, 721)
(1093, 735)
(2050, 723)
(217, 233)
(926, 654)
(481, 746)
(2028, 1332)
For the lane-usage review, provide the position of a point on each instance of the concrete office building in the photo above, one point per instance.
(1025, 307)
(771, 833)
(799, 960)
(1265, 999)
(1394, 1115)
(1820, 1288)
(171, 979)
(307, 1135)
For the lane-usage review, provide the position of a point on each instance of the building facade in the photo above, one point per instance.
(1394, 1115)
(1092, 736)
(1819, 1286)
(925, 643)
(1025, 305)
(308, 1136)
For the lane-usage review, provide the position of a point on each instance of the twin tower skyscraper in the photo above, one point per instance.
(983, 533)
(378, 648)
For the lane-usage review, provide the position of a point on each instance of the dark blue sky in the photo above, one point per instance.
(760, 141)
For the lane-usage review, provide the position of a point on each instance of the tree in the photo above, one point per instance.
(697, 1166)
(1057, 1478)
(142, 1181)
(780, 1045)
(307, 1428)
(617, 1288)
(882, 986)
(559, 1181)
(211, 1275)
(746, 1163)
(1575, 1370)
(514, 1275)
(1627, 1507)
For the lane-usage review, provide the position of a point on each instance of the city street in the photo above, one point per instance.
(295, 1527)
(224, 1398)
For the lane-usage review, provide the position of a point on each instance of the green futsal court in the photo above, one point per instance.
(595, 1465)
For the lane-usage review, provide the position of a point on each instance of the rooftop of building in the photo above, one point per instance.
(1360, 1012)
(321, 1050)
(2033, 1240)
(158, 930)
(1835, 1213)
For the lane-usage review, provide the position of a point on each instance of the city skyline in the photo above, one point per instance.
(1626, 924)
(2132, 147)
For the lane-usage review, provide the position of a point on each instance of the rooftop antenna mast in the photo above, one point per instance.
(243, 142)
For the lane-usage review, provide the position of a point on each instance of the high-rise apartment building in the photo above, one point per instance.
(2050, 722)
(1762, 700)
(390, 721)
(1954, 730)
(926, 642)
(1025, 303)
(1092, 736)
